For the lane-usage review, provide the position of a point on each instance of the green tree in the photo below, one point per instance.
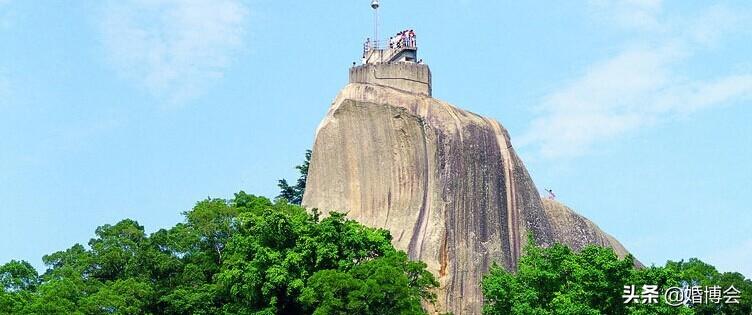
(17, 276)
(213, 220)
(115, 252)
(294, 194)
(694, 272)
(18, 281)
(122, 297)
(664, 278)
(387, 285)
(282, 251)
(557, 280)
(248, 255)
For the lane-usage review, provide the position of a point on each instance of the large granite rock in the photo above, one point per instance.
(446, 183)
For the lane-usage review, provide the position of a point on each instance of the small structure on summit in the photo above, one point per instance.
(392, 62)
(401, 47)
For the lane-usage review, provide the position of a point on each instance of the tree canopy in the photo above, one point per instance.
(248, 255)
(557, 280)
(294, 194)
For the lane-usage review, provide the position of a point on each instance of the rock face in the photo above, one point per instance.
(576, 231)
(446, 182)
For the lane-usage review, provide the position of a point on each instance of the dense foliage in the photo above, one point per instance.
(250, 255)
(294, 194)
(697, 273)
(244, 256)
(557, 280)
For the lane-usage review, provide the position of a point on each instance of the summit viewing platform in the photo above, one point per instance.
(402, 47)
(393, 63)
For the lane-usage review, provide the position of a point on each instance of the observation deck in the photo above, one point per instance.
(393, 63)
(402, 47)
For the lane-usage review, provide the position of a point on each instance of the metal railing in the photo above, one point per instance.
(405, 42)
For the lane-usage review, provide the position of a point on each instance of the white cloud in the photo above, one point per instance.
(637, 87)
(176, 49)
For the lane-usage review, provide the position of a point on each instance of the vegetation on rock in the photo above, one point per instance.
(294, 194)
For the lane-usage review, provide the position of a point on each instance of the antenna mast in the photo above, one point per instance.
(375, 6)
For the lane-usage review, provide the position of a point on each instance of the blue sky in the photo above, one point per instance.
(636, 112)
